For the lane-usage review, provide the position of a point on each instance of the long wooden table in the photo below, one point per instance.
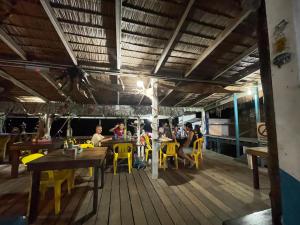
(256, 152)
(57, 160)
(15, 149)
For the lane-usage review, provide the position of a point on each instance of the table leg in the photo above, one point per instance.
(102, 175)
(255, 172)
(14, 163)
(34, 196)
(96, 178)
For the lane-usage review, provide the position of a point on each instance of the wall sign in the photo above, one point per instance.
(280, 45)
(262, 134)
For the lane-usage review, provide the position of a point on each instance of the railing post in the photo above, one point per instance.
(154, 129)
(256, 104)
(236, 124)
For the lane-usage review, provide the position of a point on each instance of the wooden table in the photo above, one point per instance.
(56, 160)
(256, 152)
(110, 143)
(15, 149)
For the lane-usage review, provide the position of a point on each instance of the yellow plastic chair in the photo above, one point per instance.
(197, 151)
(52, 179)
(87, 146)
(148, 146)
(171, 151)
(124, 152)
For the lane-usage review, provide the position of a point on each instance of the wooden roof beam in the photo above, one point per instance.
(214, 44)
(12, 44)
(50, 12)
(236, 61)
(173, 37)
(19, 84)
(51, 15)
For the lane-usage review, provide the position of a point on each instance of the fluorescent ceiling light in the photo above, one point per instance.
(30, 99)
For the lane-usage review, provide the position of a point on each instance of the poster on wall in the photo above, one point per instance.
(261, 130)
(281, 49)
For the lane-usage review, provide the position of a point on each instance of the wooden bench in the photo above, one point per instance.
(258, 218)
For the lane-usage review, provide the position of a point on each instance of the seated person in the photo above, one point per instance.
(198, 132)
(186, 149)
(119, 130)
(176, 134)
(98, 137)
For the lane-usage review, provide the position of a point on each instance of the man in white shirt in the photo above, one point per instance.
(98, 138)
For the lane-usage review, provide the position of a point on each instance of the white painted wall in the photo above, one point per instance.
(286, 88)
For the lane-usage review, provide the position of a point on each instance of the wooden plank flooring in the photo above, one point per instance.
(220, 190)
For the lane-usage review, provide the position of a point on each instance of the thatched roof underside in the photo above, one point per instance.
(146, 28)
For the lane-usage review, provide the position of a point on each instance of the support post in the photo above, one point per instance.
(154, 125)
(48, 125)
(256, 104)
(69, 128)
(236, 125)
(138, 132)
(2, 122)
(266, 79)
(125, 124)
(203, 126)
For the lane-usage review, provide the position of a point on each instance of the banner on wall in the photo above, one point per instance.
(261, 131)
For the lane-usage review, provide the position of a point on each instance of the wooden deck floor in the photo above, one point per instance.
(220, 190)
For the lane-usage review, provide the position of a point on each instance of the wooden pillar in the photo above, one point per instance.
(203, 127)
(48, 125)
(170, 123)
(236, 125)
(138, 131)
(125, 124)
(266, 78)
(69, 128)
(154, 126)
(2, 122)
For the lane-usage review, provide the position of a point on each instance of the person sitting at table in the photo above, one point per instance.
(98, 138)
(198, 132)
(176, 134)
(186, 149)
(119, 130)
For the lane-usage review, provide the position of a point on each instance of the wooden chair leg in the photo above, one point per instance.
(176, 161)
(115, 166)
(43, 189)
(165, 161)
(57, 196)
(129, 165)
(196, 157)
(147, 155)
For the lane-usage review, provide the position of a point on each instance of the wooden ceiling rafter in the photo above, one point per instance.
(170, 42)
(21, 85)
(12, 44)
(221, 37)
(236, 61)
(51, 15)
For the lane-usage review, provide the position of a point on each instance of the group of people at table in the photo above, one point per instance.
(185, 137)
